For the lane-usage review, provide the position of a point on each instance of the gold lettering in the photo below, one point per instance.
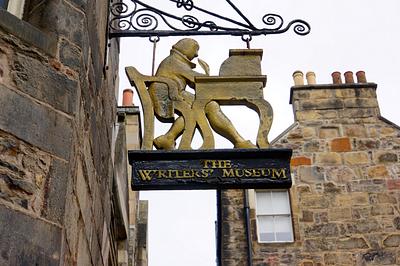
(228, 173)
(196, 173)
(171, 172)
(225, 164)
(237, 171)
(247, 172)
(276, 173)
(186, 173)
(265, 171)
(206, 162)
(217, 164)
(146, 174)
(256, 172)
(162, 173)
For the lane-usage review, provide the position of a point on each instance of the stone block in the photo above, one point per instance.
(46, 42)
(318, 244)
(357, 131)
(311, 174)
(366, 92)
(379, 257)
(386, 198)
(356, 158)
(359, 113)
(41, 126)
(310, 115)
(55, 198)
(339, 214)
(352, 199)
(83, 257)
(345, 93)
(70, 55)
(72, 214)
(382, 209)
(360, 102)
(339, 259)
(321, 104)
(300, 160)
(340, 145)
(367, 144)
(28, 240)
(393, 184)
(342, 174)
(386, 157)
(314, 202)
(63, 19)
(326, 230)
(352, 243)
(307, 216)
(396, 223)
(363, 226)
(388, 132)
(328, 132)
(377, 171)
(392, 241)
(312, 146)
(321, 94)
(45, 84)
(328, 158)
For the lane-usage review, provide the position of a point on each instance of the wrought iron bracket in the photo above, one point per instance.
(134, 18)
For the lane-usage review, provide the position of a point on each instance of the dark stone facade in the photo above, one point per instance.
(59, 182)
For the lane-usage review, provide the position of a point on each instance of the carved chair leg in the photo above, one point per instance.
(264, 110)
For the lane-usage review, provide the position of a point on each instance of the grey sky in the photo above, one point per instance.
(346, 35)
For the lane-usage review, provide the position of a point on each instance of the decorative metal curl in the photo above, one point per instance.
(187, 4)
(127, 20)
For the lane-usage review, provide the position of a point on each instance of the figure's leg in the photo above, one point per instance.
(223, 126)
(167, 141)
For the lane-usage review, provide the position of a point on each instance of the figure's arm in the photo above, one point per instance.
(190, 74)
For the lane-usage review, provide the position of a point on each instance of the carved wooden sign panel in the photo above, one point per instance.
(211, 169)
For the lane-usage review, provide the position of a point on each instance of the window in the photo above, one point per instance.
(15, 7)
(274, 221)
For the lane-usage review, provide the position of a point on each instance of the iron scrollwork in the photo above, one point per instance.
(134, 18)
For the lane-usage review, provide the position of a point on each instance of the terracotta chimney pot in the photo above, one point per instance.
(127, 97)
(348, 77)
(361, 77)
(336, 77)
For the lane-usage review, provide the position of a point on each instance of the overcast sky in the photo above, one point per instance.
(345, 36)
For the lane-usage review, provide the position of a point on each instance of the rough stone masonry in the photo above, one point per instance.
(345, 198)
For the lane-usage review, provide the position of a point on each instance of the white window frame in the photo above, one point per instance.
(273, 214)
(16, 7)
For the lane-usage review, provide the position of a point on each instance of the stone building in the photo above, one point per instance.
(344, 205)
(63, 163)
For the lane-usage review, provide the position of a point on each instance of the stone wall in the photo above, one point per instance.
(345, 197)
(59, 195)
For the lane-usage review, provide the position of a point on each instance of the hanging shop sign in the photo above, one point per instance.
(211, 169)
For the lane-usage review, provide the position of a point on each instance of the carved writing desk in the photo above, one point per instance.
(240, 83)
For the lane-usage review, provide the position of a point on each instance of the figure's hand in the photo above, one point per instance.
(204, 66)
(174, 95)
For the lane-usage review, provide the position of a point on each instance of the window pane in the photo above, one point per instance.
(266, 223)
(283, 228)
(280, 201)
(264, 203)
(4, 4)
(267, 237)
(266, 228)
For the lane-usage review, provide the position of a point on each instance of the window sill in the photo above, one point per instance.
(28, 33)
